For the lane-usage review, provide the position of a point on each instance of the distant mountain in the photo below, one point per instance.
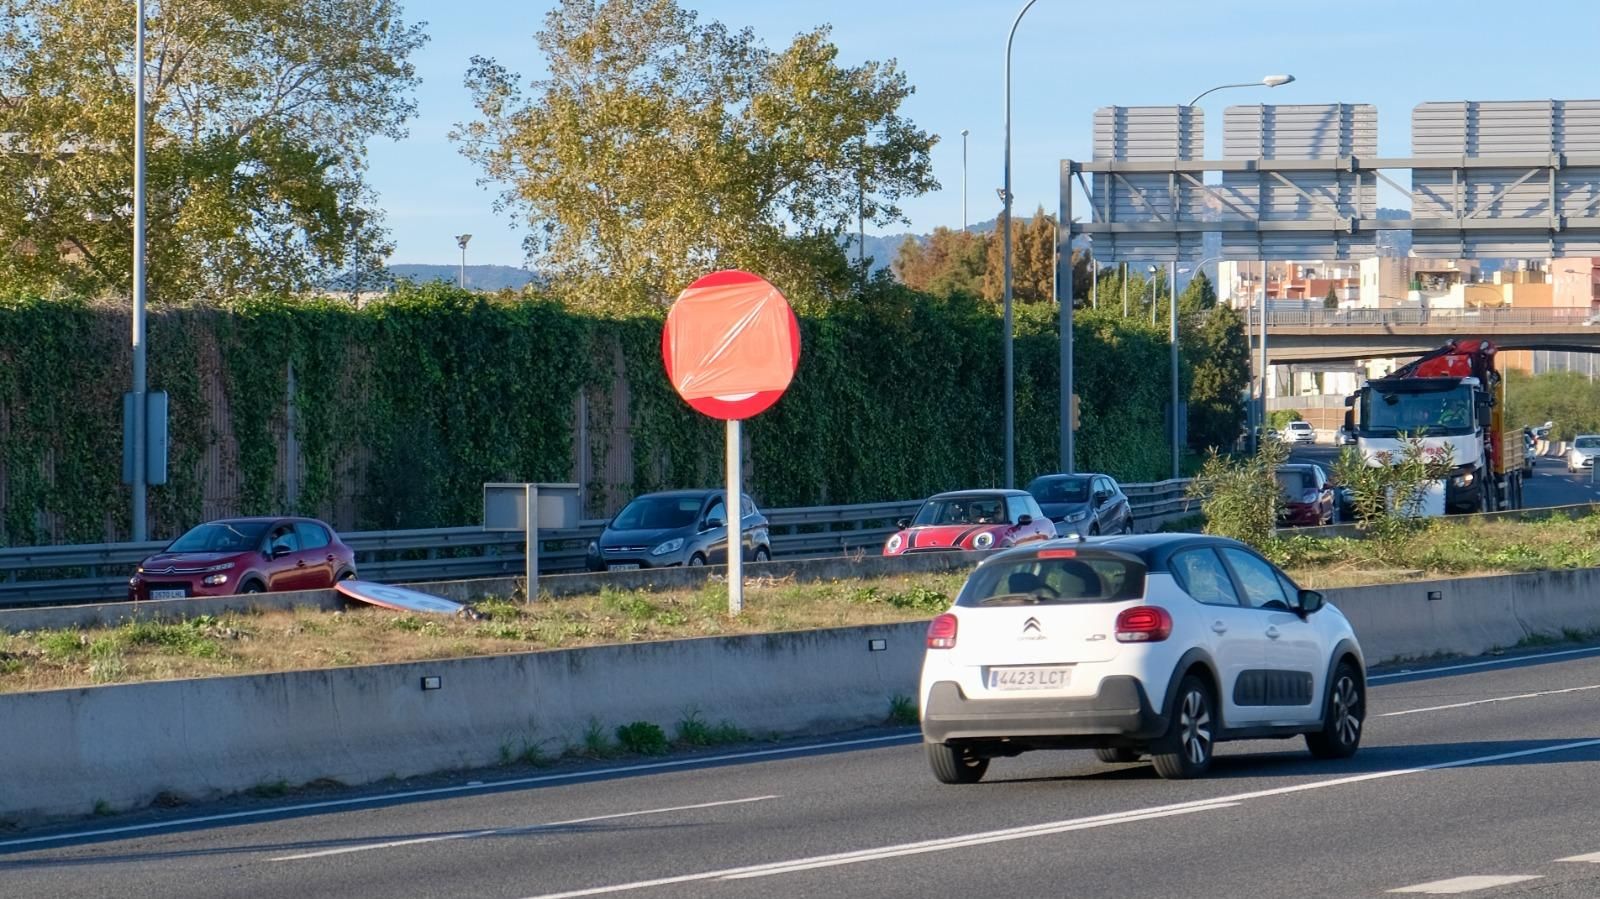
(479, 277)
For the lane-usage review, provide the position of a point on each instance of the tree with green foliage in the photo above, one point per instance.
(1567, 398)
(951, 262)
(258, 118)
(1219, 362)
(658, 148)
(1331, 301)
(1198, 296)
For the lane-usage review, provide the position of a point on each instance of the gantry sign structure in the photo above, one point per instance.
(1501, 179)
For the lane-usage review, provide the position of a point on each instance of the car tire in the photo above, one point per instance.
(1343, 718)
(1186, 749)
(762, 555)
(252, 586)
(955, 764)
(696, 560)
(1116, 755)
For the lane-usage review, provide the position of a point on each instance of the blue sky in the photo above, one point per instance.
(1069, 59)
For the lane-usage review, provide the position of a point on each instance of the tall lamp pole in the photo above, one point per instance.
(137, 412)
(964, 180)
(1010, 403)
(461, 241)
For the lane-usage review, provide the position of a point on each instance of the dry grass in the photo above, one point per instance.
(285, 641)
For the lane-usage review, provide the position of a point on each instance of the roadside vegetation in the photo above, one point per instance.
(207, 646)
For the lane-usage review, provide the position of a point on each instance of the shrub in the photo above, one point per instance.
(1240, 498)
(643, 738)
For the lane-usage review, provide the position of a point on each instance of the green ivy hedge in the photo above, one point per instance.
(406, 406)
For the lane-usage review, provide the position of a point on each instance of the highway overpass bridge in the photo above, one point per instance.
(1319, 335)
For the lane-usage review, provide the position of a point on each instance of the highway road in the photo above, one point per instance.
(1477, 777)
(1551, 484)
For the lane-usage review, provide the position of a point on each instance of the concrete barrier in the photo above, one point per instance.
(68, 750)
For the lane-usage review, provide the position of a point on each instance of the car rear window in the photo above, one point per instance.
(1055, 576)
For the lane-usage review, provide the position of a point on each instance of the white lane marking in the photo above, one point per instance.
(846, 858)
(1592, 858)
(1217, 802)
(1466, 884)
(1462, 705)
(476, 787)
(1415, 672)
(524, 828)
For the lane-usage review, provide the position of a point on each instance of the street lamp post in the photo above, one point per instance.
(1269, 81)
(1152, 271)
(137, 412)
(461, 241)
(1010, 400)
(964, 180)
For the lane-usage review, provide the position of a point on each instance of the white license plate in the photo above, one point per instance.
(167, 594)
(623, 566)
(1029, 677)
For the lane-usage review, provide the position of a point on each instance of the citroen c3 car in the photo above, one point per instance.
(1157, 645)
(245, 555)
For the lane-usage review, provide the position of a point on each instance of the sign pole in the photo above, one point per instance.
(530, 499)
(733, 506)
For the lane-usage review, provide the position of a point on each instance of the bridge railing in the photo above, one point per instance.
(98, 572)
(1465, 319)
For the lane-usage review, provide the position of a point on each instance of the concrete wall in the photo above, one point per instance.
(66, 750)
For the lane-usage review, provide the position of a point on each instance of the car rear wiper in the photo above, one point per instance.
(1002, 599)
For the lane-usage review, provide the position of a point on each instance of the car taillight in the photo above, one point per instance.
(942, 632)
(1143, 624)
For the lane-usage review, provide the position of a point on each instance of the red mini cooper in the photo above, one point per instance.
(972, 519)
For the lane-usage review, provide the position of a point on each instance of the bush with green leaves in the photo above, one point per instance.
(1241, 497)
(1388, 496)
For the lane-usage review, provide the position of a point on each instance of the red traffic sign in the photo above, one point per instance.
(731, 344)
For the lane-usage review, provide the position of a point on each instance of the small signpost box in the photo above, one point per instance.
(527, 508)
(731, 345)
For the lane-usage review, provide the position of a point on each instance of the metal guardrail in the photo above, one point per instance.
(32, 575)
(1443, 318)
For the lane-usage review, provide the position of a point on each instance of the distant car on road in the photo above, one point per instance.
(1297, 432)
(1307, 497)
(1580, 456)
(1158, 645)
(677, 527)
(973, 520)
(1344, 436)
(1088, 504)
(245, 555)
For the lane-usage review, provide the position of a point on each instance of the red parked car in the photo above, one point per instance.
(245, 555)
(972, 519)
(1307, 496)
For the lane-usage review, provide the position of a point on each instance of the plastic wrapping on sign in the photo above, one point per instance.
(730, 340)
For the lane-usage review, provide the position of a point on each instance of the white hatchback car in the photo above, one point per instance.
(1157, 644)
(1580, 456)
(1298, 432)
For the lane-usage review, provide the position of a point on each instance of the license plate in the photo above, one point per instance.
(1031, 677)
(167, 594)
(623, 566)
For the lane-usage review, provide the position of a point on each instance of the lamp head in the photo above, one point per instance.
(1277, 80)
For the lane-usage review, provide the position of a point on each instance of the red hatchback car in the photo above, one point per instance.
(245, 555)
(972, 519)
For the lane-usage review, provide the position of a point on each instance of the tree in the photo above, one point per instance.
(258, 119)
(1198, 296)
(950, 262)
(1220, 363)
(658, 148)
(1331, 301)
(1032, 263)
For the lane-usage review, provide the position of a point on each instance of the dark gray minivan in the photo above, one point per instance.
(677, 527)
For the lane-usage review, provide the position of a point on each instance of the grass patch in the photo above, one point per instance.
(903, 711)
(693, 731)
(642, 738)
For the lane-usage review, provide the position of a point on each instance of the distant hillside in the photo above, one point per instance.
(479, 277)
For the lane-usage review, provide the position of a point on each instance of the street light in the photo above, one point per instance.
(1066, 334)
(963, 180)
(138, 412)
(461, 241)
(1269, 81)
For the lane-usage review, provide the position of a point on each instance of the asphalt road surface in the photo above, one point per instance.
(1551, 484)
(1477, 778)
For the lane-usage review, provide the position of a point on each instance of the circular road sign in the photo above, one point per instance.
(731, 344)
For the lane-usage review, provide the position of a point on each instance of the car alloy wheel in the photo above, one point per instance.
(1340, 735)
(1194, 725)
(1186, 749)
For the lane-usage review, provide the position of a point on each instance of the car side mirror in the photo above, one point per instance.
(1310, 601)
(902, 523)
(1024, 520)
(714, 522)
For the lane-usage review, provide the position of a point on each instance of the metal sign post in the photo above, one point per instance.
(733, 502)
(523, 507)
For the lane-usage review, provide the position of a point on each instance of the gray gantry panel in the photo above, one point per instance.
(1295, 132)
(1538, 189)
(1145, 134)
